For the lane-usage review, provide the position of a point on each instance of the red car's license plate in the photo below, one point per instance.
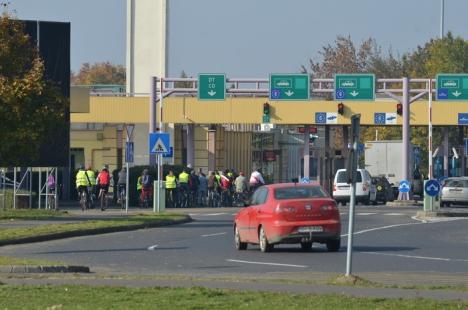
(307, 229)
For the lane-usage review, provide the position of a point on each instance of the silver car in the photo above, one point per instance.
(455, 191)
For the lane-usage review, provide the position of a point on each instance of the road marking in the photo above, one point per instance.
(394, 214)
(207, 214)
(262, 263)
(363, 213)
(383, 227)
(216, 234)
(153, 247)
(420, 257)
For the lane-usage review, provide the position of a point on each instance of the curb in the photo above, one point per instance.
(94, 231)
(403, 203)
(44, 269)
(432, 214)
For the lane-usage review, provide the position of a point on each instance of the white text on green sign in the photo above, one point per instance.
(211, 86)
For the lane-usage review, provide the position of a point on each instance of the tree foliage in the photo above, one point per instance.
(31, 108)
(99, 73)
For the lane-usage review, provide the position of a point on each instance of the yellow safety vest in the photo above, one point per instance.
(183, 177)
(81, 179)
(91, 176)
(170, 181)
(139, 184)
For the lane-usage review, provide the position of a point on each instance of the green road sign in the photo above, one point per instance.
(289, 86)
(211, 86)
(354, 87)
(452, 87)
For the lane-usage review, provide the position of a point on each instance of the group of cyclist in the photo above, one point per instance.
(89, 186)
(218, 189)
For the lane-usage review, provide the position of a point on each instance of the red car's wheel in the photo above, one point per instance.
(265, 246)
(334, 245)
(306, 246)
(237, 241)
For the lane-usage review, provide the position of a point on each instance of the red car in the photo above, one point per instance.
(288, 213)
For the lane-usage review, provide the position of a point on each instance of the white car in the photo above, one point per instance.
(365, 190)
(454, 191)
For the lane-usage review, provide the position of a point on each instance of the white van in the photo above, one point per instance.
(365, 190)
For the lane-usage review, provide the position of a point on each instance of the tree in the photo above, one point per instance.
(99, 73)
(31, 108)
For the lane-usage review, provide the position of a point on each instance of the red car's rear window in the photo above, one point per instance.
(299, 192)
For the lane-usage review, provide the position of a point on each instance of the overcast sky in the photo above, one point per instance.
(249, 38)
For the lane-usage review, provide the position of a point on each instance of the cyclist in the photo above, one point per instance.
(139, 187)
(171, 185)
(51, 186)
(256, 180)
(121, 186)
(184, 187)
(194, 183)
(212, 188)
(225, 189)
(82, 184)
(103, 180)
(91, 176)
(147, 188)
(202, 188)
(241, 188)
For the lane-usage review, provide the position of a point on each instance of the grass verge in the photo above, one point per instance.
(30, 214)
(106, 297)
(57, 231)
(14, 261)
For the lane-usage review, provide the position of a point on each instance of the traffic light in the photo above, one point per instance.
(399, 109)
(340, 108)
(312, 138)
(266, 113)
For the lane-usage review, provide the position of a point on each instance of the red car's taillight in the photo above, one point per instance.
(285, 209)
(330, 207)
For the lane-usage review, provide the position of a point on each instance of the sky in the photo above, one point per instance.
(249, 38)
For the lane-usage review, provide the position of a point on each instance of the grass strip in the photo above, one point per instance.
(107, 297)
(57, 231)
(10, 261)
(30, 214)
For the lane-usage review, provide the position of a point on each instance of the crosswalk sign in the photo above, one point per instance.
(159, 143)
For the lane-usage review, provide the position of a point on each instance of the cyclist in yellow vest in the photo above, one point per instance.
(184, 182)
(139, 188)
(171, 184)
(82, 182)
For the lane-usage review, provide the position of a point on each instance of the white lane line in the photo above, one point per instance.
(420, 257)
(216, 234)
(153, 247)
(381, 228)
(394, 214)
(263, 263)
(207, 214)
(364, 213)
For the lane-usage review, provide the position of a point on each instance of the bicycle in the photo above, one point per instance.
(103, 199)
(147, 195)
(51, 200)
(183, 197)
(214, 199)
(122, 195)
(90, 190)
(239, 199)
(84, 200)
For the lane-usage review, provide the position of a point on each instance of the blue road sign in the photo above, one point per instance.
(379, 118)
(129, 151)
(305, 180)
(320, 118)
(432, 187)
(462, 118)
(340, 93)
(442, 93)
(404, 186)
(275, 94)
(159, 143)
(170, 154)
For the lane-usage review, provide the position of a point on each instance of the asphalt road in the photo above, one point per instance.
(387, 239)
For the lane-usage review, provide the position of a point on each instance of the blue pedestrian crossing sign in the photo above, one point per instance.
(432, 187)
(159, 143)
(404, 186)
(305, 180)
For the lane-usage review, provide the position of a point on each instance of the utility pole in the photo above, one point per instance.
(442, 9)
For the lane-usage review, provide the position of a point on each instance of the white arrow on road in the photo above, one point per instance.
(289, 93)
(354, 93)
(456, 93)
(211, 93)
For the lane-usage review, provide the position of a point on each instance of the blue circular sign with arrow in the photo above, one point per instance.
(432, 187)
(305, 180)
(404, 186)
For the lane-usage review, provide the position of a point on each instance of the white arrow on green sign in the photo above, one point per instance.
(211, 86)
(354, 86)
(452, 86)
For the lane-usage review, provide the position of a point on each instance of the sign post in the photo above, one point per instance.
(129, 152)
(289, 86)
(354, 86)
(211, 86)
(351, 176)
(159, 145)
(452, 86)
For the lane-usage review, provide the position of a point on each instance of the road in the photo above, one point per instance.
(387, 240)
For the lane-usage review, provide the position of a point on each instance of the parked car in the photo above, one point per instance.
(384, 190)
(365, 190)
(454, 191)
(288, 213)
